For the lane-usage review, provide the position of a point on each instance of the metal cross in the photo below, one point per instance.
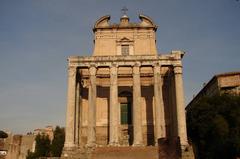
(124, 10)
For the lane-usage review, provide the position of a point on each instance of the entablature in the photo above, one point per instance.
(172, 59)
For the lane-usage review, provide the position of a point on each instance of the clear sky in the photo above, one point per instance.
(37, 36)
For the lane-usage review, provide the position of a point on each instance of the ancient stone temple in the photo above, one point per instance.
(125, 100)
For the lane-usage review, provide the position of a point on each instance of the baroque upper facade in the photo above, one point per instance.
(125, 94)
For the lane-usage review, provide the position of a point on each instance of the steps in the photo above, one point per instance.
(163, 151)
(146, 152)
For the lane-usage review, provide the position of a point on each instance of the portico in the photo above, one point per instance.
(84, 75)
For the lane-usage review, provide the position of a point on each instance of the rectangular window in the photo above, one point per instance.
(125, 49)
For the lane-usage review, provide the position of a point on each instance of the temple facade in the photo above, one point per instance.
(126, 94)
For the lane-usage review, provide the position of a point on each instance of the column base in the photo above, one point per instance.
(184, 147)
(68, 152)
(90, 145)
(137, 144)
(69, 146)
(113, 144)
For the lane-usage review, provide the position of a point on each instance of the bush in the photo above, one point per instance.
(214, 127)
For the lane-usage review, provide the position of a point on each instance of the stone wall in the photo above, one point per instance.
(26, 144)
(18, 146)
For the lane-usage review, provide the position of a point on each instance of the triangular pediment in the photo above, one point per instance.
(125, 39)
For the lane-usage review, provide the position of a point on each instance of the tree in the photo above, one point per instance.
(3, 134)
(42, 147)
(58, 142)
(214, 127)
(31, 155)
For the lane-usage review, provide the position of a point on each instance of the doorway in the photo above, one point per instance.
(125, 100)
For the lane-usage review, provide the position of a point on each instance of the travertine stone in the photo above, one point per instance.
(181, 119)
(160, 130)
(91, 138)
(114, 107)
(137, 113)
(70, 131)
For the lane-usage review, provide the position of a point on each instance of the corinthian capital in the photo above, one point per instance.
(72, 71)
(92, 71)
(113, 70)
(178, 69)
(156, 69)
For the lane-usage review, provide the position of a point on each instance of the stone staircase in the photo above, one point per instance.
(146, 152)
(163, 151)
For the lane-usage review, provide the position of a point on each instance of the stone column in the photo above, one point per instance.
(137, 109)
(71, 102)
(77, 113)
(92, 92)
(173, 112)
(114, 107)
(181, 119)
(160, 129)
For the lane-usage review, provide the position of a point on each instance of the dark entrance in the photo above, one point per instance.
(125, 100)
(126, 115)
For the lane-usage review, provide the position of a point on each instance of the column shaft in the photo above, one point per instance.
(181, 119)
(114, 107)
(91, 138)
(173, 106)
(77, 113)
(160, 129)
(137, 109)
(71, 103)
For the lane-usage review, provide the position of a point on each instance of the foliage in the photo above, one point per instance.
(3, 134)
(31, 155)
(214, 127)
(58, 142)
(44, 147)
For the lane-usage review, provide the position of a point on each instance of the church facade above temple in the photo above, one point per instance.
(125, 38)
(125, 99)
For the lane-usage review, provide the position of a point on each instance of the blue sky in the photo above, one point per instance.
(37, 36)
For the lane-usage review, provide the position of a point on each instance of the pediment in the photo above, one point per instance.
(146, 21)
(103, 21)
(124, 39)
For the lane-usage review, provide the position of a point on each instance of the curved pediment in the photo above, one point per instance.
(146, 21)
(103, 21)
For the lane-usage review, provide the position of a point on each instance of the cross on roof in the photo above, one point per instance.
(124, 10)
